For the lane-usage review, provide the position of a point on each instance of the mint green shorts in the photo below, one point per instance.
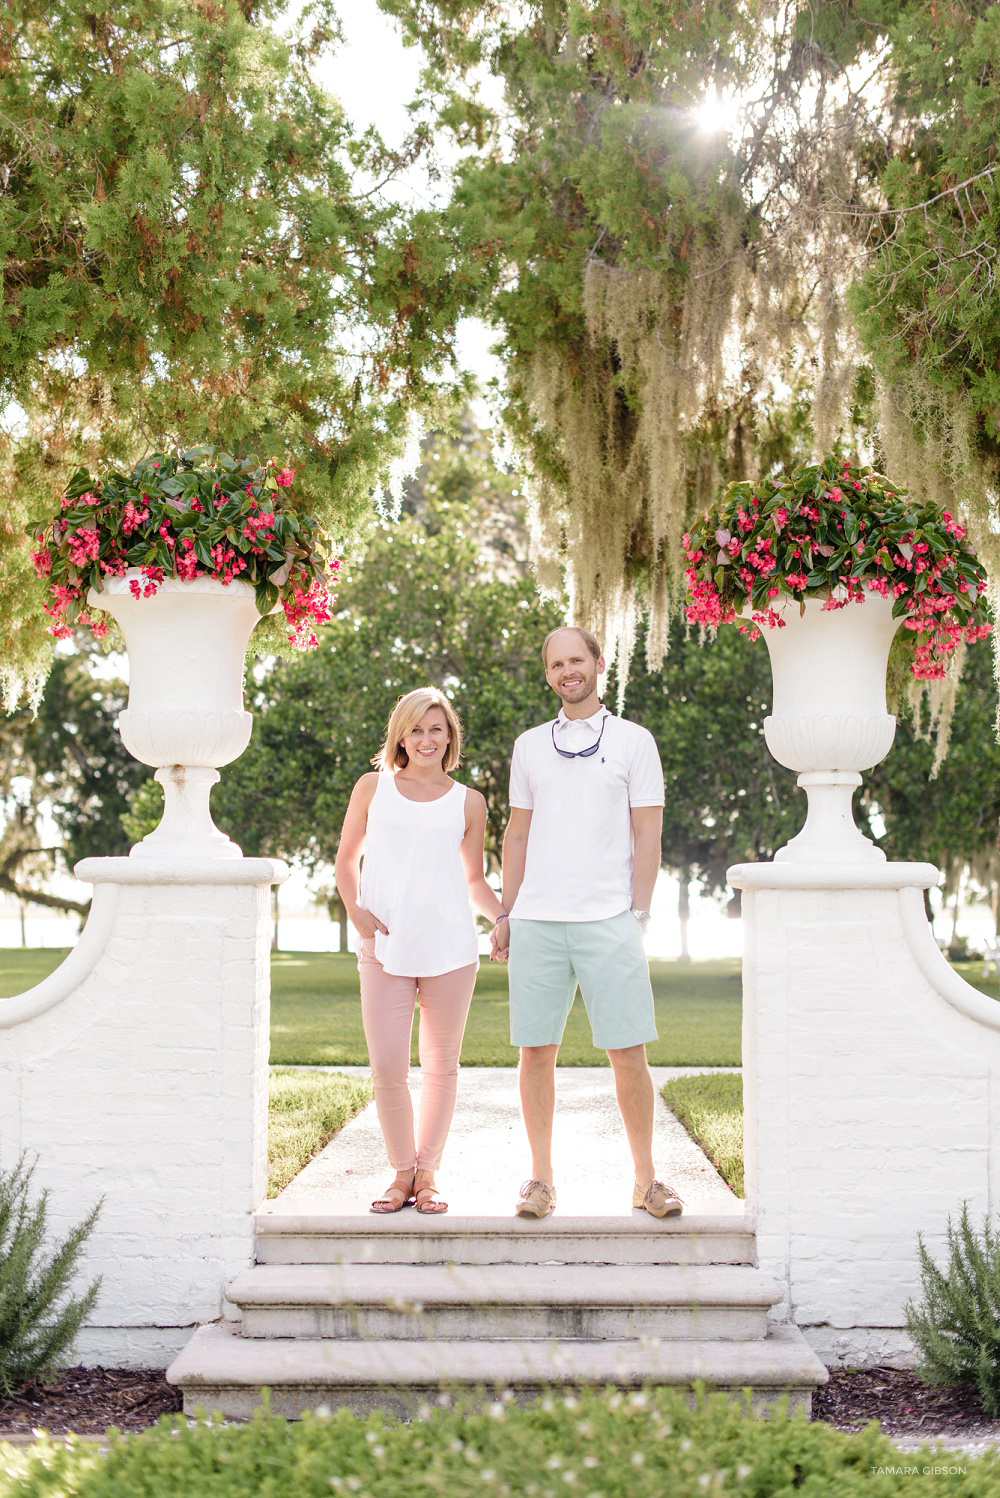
(548, 959)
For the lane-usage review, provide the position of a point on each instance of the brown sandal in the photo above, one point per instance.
(427, 1201)
(382, 1206)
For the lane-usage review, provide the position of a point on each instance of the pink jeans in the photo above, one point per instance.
(387, 1006)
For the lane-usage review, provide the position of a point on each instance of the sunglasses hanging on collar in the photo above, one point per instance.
(579, 753)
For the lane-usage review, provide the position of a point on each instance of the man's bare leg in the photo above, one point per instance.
(537, 1078)
(634, 1088)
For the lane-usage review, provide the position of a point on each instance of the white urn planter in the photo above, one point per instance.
(185, 717)
(829, 719)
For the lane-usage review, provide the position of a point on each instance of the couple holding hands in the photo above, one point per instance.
(580, 858)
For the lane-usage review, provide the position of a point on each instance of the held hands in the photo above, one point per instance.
(366, 924)
(500, 940)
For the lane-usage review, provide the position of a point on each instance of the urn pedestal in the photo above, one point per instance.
(829, 719)
(185, 717)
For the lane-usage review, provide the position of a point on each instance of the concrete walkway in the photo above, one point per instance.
(487, 1159)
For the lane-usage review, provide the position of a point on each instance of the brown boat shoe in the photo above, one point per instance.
(659, 1199)
(537, 1199)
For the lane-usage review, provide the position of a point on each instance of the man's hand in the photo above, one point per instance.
(500, 940)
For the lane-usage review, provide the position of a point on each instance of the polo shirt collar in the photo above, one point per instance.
(592, 725)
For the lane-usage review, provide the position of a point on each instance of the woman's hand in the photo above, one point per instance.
(500, 940)
(366, 924)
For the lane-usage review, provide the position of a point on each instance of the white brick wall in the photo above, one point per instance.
(871, 1095)
(142, 1077)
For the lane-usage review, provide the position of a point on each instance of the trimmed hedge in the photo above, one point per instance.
(595, 1445)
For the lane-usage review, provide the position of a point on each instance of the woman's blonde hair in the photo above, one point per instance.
(406, 715)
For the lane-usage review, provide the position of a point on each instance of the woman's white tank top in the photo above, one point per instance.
(412, 879)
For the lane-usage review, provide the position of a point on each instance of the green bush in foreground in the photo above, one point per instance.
(305, 1110)
(39, 1318)
(711, 1109)
(595, 1445)
(956, 1328)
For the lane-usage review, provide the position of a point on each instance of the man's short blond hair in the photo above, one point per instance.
(406, 715)
(591, 641)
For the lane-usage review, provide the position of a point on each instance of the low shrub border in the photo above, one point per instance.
(602, 1444)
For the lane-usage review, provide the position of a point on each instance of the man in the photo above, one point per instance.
(580, 858)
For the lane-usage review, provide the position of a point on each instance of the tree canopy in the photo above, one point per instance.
(198, 248)
(680, 207)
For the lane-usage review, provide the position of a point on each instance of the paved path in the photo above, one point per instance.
(486, 1159)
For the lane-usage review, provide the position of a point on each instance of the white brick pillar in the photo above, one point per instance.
(137, 1072)
(871, 1095)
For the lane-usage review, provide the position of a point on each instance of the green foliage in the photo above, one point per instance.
(65, 765)
(956, 1324)
(39, 1316)
(305, 1111)
(948, 815)
(727, 800)
(711, 1109)
(641, 1444)
(926, 302)
(199, 250)
(76, 760)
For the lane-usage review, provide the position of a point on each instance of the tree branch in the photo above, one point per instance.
(39, 897)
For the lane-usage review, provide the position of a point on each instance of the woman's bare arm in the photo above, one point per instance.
(483, 898)
(347, 869)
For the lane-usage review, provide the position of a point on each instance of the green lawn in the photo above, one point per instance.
(305, 1110)
(316, 1015)
(711, 1109)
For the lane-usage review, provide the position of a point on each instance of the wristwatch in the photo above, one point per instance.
(642, 916)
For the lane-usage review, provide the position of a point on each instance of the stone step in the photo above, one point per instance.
(429, 1302)
(220, 1370)
(408, 1238)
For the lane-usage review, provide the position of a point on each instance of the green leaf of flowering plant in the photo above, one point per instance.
(180, 516)
(839, 532)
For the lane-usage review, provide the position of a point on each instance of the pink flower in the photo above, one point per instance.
(133, 518)
(305, 608)
(153, 578)
(84, 546)
(284, 478)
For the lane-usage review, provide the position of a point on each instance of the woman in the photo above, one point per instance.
(422, 838)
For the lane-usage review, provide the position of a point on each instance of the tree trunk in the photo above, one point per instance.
(684, 912)
(954, 909)
(338, 913)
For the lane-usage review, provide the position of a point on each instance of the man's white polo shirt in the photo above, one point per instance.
(579, 859)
